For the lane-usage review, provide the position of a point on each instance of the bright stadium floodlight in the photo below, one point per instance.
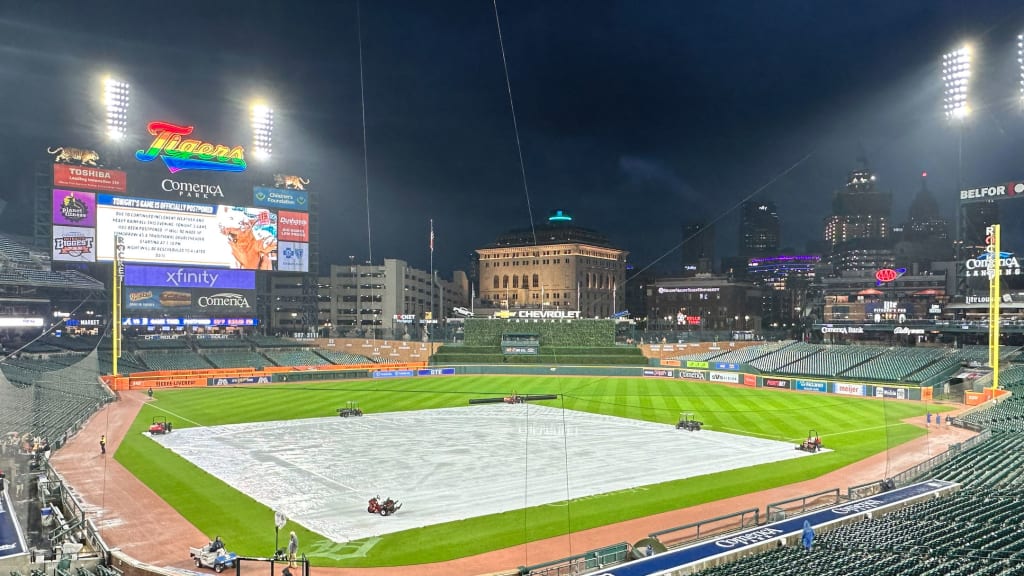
(1020, 65)
(956, 76)
(116, 98)
(262, 131)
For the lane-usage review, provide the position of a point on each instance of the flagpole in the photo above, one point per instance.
(431, 270)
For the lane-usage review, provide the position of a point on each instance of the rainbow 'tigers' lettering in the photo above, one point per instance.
(189, 154)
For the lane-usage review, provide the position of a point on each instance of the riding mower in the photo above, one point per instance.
(686, 422)
(160, 426)
(387, 507)
(812, 444)
(352, 409)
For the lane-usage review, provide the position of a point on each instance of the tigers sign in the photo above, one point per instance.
(180, 153)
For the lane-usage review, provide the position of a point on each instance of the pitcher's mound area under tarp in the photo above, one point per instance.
(452, 463)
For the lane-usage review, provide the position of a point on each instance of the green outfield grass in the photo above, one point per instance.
(854, 428)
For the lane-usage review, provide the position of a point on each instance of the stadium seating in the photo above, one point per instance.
(895, 364)
(831, 360)
(236, 359)
(336, 357)
(175, 360)
(275, 342)
(303, 357)
(161, 344)
(784, 356)
(748, 353)
(221, 343)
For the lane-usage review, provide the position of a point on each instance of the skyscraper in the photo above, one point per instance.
(698, 250)
(858, 231)
(759, 229)
(925, 236)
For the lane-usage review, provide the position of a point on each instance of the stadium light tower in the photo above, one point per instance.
(956, 77)
(262, 131)
(116, 98)
(1020, 65)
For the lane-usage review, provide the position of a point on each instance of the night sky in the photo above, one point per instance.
(635, 116)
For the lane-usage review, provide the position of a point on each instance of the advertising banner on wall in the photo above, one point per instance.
(749, 380)
(659, 372)
(180, 277)
(293, 226)
(293, 257)
(890, 392)
(697, 364)
(279, 198)
(72, 208)
(848, 389)
(172, 232)
(238, 380)
(693, 374)
(87, 178)
(731, 377)
(776, 383)
(197, 301)
(726, 366)
(73, 244)
(811, 385)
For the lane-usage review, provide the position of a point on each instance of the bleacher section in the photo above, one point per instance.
(336, 357)
(877, 363)
(49, 398)
(275, 342)
(976, 531)
(174, 360)
(295, 357)
(236, 359)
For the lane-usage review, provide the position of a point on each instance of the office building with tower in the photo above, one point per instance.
(698, 249)
(759, 229)
(858, 232)
(556, 265)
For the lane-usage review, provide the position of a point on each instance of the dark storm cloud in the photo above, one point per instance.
(634, 116)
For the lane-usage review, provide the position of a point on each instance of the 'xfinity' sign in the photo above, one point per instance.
(171, 277)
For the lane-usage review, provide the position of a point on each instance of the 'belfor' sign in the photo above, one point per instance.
(997, 192)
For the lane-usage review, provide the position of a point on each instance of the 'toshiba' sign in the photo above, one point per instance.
(180, 153)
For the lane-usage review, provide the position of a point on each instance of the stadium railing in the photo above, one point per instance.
(709, 527)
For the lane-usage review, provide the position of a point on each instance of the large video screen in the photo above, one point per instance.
(170, 232)
(208, 219)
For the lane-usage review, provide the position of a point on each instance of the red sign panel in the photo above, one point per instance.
(749, 380)
(89, 178)
(293, 226)
(886, 275)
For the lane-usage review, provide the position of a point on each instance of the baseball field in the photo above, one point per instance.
(298, 437)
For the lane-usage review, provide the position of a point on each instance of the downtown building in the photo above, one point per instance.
(557, 265)
(858, 234)
(389, 300)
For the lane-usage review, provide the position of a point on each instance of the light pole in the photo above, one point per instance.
(956, 77)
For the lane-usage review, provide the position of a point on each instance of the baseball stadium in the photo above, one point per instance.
(164, 414)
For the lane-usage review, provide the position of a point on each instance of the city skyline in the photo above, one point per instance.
(637, 121)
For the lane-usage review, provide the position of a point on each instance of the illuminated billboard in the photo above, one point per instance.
(164, 231)
(293, 226)
(294, 257)
(72, 208)
(280, 198)
(74, 244)
(189, 301)
(180, 153)
(89, 178)
(181, 277)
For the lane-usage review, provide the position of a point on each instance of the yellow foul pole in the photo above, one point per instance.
(117, 273)
(994, 262)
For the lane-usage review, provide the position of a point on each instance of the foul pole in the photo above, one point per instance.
(994, 261)
(115, 302)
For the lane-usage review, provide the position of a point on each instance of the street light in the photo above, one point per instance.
(956, 76)
(262, 131)
(116, 98)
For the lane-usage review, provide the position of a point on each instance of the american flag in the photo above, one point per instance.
(431, 234)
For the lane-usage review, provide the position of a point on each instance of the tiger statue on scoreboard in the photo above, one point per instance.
(68, 155)
(290, 182)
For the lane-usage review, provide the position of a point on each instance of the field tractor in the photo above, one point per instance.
(686, 422)
(812, 444)
(160, 426)
(352, 409)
